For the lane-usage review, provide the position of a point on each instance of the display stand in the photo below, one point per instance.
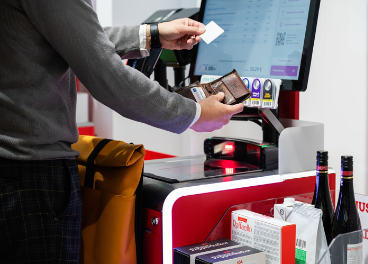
(333, 255)
(337, 251)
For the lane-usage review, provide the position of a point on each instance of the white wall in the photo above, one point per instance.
(104, 11)
(135, 12)
(337, 89)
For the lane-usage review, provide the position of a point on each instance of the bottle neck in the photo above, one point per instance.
(322, 174)
(322, 166)
(322, 178)
(347, 183)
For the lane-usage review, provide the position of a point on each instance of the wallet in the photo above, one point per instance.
(230, 84)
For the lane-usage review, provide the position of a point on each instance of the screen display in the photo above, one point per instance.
(262, 38)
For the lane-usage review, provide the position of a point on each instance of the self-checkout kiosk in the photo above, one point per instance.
(189, 200)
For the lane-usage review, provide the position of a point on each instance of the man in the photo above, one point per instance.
(42, 44)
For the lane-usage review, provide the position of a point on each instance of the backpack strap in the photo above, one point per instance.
(90, 167)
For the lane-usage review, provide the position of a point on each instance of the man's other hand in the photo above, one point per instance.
(180, 33)
(215, 114)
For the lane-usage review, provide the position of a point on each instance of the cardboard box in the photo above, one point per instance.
(275, 237)
(187, 254)
(283, 211)
(241, 255)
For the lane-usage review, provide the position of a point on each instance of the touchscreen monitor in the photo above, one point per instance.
(262, 38)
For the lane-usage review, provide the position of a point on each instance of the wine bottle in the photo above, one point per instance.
(346, 219)
(322, 197)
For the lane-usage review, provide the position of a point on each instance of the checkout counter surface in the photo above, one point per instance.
(163, 176)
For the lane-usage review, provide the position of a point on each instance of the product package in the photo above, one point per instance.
(275, 237)
(257, 89)
(187, 254)
(283, 211)
(248, 82)
(265, 93)
(311, 241)
(241, 255)
(269, 92)
(231, 85)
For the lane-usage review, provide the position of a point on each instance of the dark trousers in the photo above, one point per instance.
(40, 211)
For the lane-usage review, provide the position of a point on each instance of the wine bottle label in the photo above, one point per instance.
(355, 253)
(322, 169)
(346, 173)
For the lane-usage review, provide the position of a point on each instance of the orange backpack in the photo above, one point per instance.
(110, 174)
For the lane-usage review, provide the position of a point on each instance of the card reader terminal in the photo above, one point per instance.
(239, 153)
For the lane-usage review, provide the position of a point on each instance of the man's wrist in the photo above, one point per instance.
(155, 36)
(148, 37)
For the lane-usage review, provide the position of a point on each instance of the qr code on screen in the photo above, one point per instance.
(280, 39)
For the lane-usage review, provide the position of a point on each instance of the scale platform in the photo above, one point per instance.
(194, 168)
(224, 157)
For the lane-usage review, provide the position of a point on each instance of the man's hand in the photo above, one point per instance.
(178, 34)
(215, 114)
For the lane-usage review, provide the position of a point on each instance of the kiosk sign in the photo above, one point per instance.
(362, 206)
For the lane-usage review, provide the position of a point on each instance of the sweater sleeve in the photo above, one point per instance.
(72, 28)
(126, 41)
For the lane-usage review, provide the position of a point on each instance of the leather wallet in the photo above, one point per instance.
(230, 84)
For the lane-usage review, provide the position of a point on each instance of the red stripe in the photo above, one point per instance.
(88, 130)
(346, 173)
(322, 168)
(152, 155)
(289, 104)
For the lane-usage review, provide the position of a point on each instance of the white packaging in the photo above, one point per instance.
(275, 237)
(283, 211)
(311, 240)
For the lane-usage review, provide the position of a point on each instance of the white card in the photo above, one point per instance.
(212, 32)
(198, 93)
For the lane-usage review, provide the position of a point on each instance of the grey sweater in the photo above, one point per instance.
(42, 44)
